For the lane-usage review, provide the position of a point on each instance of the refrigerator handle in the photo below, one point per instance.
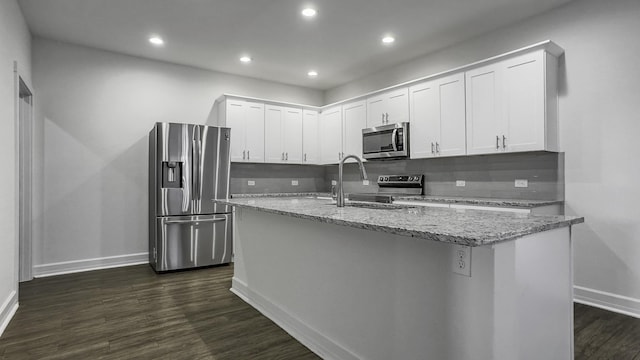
(195, 158)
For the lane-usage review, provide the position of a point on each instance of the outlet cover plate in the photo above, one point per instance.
(251, 183)
(365, 182)
(294, 182)
(461, 260)
(461, 183)
(521, 183)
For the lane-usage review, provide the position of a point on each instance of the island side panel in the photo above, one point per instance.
(534, 297)
(356, 294)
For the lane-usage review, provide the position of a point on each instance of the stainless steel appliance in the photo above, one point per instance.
(390, 186)
(188, 169)
(386, 142)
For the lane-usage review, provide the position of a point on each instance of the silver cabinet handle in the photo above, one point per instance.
(248, 156)
(286, 156)
(386, 117)
(383, 118)
(497, 142)
(305, 156)
(339, 156)
(243, 154)
(504, 142)
(432, 151)
(282, 156)
(167, 222)
(437, 148)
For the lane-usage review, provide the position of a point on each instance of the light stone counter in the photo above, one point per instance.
(465, 227)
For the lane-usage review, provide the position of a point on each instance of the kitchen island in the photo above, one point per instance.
(378, 282)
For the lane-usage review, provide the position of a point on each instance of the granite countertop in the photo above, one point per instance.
(465, 227)
(430, 198)
(480, 201)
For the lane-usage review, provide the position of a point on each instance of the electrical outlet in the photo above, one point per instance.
(294, 182)
(522, 183)
(251, 183)
(334, 182)
(461, 183)
(365, 182)
(462, 260)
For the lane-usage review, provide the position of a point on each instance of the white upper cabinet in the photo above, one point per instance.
(512, 105)
(354, 119)
(437, 110)
(246, 120)
(388, 108)
(331, 135)
(310, 137)
(283, 134)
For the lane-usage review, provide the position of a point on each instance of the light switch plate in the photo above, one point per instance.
(461, 183)
(521, 183)
(294, 182)
(251, 183)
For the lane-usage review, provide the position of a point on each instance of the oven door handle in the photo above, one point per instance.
(190, 221)
(394, 139)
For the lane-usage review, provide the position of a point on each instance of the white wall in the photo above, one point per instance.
(599, 128)
(95, 110)
(15, 45)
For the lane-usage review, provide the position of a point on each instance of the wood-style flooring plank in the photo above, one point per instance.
(133, 313)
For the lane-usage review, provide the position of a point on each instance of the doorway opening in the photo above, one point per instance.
(25, 155)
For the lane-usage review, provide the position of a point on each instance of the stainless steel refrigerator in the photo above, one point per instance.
(188, 168)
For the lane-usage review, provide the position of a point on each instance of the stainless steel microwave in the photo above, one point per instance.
(386, 141)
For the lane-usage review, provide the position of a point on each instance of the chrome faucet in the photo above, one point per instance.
(363, 176)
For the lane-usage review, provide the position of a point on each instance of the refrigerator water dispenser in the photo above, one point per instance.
(171, 174)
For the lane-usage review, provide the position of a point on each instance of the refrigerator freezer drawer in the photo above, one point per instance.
(192, 241)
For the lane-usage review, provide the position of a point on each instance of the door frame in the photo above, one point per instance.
(24, 176)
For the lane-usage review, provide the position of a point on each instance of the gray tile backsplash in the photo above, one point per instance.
(276, 178)
(485, 176)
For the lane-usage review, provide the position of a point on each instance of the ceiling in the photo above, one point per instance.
(343, 42)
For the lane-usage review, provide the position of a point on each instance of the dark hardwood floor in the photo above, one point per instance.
(132, 313)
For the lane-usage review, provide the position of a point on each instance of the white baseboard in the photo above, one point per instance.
(607, 301)
(8, 309)
(309, 337)
(68, 267)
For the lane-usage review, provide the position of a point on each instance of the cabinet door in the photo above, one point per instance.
(254, 139)
(484, 110)
(375, 110)
(397, 106)
(273, 119)
(425, 119)
(310, 137)
(524, 107)
(452, 116)
(235, 119)
(331, 135)
(354, 119)
(292, 135)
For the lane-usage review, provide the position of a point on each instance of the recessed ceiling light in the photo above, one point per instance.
(309, 12)
(156, 40)
(388, 39)
(245, 59)
(312, 73)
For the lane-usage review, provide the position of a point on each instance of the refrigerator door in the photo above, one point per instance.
(193, 241)
(191, 169)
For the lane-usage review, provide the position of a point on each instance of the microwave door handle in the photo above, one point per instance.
(394, 141)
